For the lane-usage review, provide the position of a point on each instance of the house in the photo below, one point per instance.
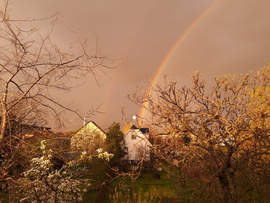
(57, 141)
(88, 138)
(25, 131)
(136, 144)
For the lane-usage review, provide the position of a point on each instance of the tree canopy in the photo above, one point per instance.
(114, 139)
(32, 66)
(229, 129)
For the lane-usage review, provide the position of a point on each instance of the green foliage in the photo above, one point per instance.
(97, 173)
(113, 142)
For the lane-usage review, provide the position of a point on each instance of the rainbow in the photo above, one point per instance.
(171, 52)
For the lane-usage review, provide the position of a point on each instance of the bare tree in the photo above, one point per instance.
(228, 126)
(33, 70)
(32, 66)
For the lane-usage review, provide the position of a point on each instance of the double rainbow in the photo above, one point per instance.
(169, 55)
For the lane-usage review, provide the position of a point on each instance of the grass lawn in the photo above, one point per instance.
(148, 187)
(149, 182)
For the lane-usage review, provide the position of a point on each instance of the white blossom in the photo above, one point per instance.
(99, 150)
(46, 183)
(105, 155)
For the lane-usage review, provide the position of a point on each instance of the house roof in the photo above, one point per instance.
(87, 124)
(133, 127)
(143, 130)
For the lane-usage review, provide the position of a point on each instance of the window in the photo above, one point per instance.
(133, 137)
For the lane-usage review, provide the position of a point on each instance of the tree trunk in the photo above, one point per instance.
(3, 124)
(225, 185)
(3, 115)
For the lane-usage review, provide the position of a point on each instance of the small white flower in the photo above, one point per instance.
(43, 145)
(99, 150)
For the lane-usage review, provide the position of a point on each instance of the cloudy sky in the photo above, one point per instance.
(153, 38)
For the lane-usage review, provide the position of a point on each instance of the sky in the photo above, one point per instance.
(152, 38)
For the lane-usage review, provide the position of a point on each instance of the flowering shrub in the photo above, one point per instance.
(44, 184)
(104, 155)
